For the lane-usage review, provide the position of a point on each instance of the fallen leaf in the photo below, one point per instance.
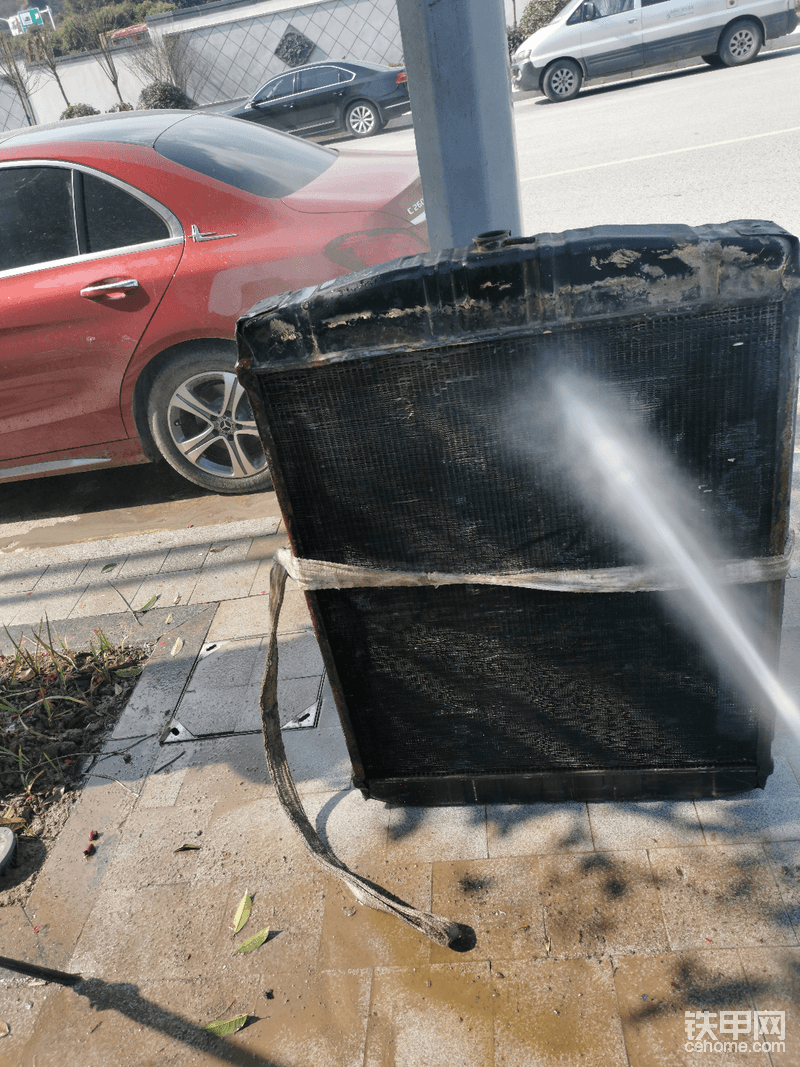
(109, 567)
(25, 676)
(128, 672)
(548, 945)
(168, 619)
(177, 599)
(89, 850)
(177, 647)
(242, 912)
(226, 1026)
(5, 1029)
(217, 548)
(188, 848)
(255, 941)
(149, 604)
(36, 929)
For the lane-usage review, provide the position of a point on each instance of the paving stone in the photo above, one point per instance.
(224, 581)
(22, 1006)
(430, 834)
(348, 824)
(108, 598)
(720, 897)
(319, 760)
(162, 788)
(784, 859)
(60, 576)
(239, 618)
(68, 885)
(241, 842)
(147, 856)
(228, 551)
(430, 1015)
(150, 1024)
(295, 695)
(357, 936)
(499, 899)
(533, 829)
(601, 903)
(204, 711)
(655, 992)
(645, 824)
(34, 609)
(172, 589)
(314, 1017)
(185, 558)
(556, 1013)
(229, 771)
(142, 564)
(19, 940)
(773, 978)
(771, 814)
(223, 665)
(298, 655)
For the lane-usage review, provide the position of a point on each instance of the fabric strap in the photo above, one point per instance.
(317, 574)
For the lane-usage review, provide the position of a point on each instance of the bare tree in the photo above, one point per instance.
(171, 59)
(40, 47)
(22, 80)
(94, 31)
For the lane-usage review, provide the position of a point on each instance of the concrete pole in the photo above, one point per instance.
(459, 80)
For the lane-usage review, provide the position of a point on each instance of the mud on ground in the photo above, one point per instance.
(57, 707)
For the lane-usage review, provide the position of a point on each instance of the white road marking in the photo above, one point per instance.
(660, 155)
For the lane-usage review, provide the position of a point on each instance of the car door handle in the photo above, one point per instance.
(110, 289)
(633, 20)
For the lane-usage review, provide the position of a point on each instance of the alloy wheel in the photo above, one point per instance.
(212, 426)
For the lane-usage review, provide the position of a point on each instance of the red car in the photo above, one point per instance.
(130, 244)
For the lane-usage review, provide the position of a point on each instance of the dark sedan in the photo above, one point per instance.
(329, 97)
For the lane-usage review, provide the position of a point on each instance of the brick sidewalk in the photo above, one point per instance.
(598, 925)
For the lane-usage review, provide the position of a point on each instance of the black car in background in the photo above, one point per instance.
(329, 97)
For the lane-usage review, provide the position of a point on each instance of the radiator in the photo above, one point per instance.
(382, 399)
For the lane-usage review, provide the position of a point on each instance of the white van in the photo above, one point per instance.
(590, 38)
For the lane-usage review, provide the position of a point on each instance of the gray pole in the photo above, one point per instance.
(459, 81)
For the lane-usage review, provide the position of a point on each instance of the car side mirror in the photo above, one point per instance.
(589, 11)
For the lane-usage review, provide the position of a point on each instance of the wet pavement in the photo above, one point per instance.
(598, 926)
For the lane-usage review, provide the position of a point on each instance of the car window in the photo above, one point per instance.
(283, 86)
(36, 217)
(245, 155)
(611, 7)
(317, 78)
(115, 219)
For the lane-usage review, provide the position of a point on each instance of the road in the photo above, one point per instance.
(694, 146)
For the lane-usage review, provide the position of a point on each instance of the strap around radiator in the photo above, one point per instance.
(438, 929)
(318, 574)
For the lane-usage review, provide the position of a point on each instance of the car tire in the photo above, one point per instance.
(740, 43)
(202, 423)
(713, 60)
(562, 80)
(362, 119)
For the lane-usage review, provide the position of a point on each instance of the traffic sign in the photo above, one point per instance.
(31, 17)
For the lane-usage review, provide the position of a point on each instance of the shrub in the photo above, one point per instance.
(119, 107)
(160, 95)
(538, 13)
(78, 111)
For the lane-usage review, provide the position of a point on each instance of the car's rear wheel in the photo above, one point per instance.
(740, 43)
(362, 119)
(562, 80)
(202, 422)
